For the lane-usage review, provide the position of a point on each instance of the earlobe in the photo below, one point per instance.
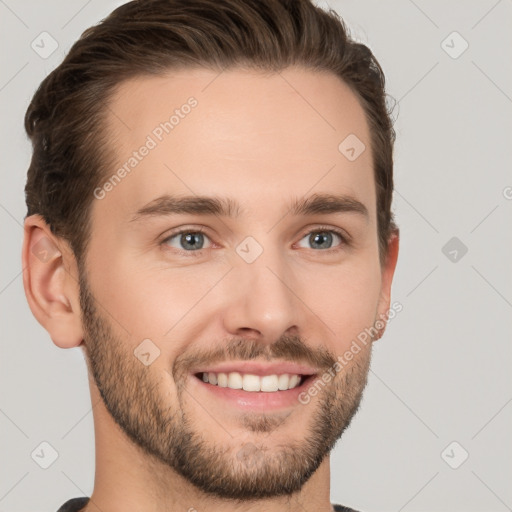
(50, 281)
(388, 271)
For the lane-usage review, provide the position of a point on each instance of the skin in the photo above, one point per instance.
(263, 139)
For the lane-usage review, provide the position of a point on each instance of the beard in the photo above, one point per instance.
(159, 423)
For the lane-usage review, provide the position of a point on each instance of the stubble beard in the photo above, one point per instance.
(164, 432)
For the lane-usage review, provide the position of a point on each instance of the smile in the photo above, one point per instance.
(253, 383)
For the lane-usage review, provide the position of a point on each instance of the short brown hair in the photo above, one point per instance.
(66, 117)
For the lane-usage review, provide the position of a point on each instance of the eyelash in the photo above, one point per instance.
(345, 241)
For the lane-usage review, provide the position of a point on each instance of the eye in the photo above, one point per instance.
(187, 240)
(323, 238)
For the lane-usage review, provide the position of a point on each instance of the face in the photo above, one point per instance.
(179, 289)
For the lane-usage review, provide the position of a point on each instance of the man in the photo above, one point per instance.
(209, 218)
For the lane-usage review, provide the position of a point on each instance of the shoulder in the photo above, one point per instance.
(341, 508)
(74, 505)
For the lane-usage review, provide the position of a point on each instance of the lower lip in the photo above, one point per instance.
(255, 400)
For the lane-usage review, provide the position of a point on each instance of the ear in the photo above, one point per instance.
(387, 273)
(50, 279)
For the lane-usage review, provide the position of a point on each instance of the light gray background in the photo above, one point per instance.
(440, 374)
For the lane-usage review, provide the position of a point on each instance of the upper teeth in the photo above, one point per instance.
(249, 382)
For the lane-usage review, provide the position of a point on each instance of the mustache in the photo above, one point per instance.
(289, 348)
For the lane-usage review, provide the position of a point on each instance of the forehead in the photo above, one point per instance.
(262, 137)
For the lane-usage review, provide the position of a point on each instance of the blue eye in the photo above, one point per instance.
(187, 240)
(324, 238)
(191, 242)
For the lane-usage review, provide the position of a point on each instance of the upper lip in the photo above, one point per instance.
(260, 369)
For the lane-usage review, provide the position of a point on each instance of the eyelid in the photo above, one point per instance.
(179, 231)
(344, 236)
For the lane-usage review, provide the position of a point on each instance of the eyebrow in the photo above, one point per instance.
(166, 205)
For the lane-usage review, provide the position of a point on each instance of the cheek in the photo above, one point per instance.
(346, 300)
(164, 304)
(152, 302)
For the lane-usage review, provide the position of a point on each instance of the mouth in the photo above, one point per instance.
(255, 387)
(253, 383)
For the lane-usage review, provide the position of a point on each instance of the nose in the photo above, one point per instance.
(263, 303)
